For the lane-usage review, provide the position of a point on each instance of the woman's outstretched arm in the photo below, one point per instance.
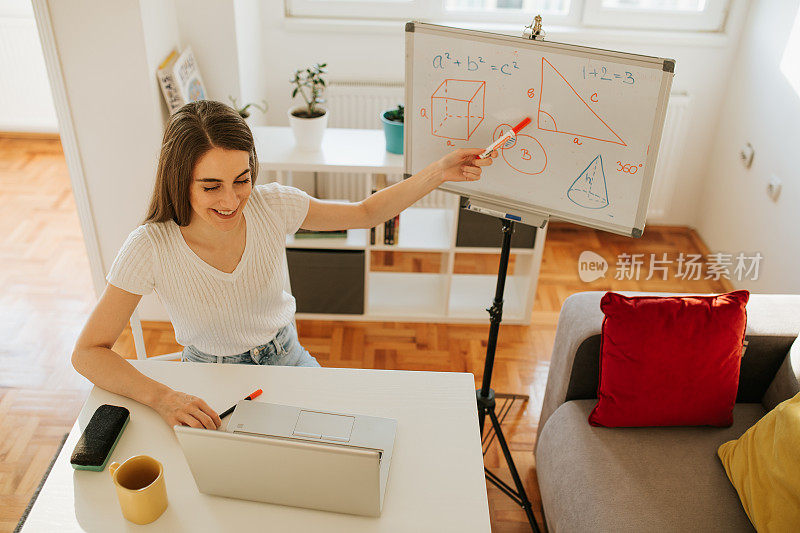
(459, 165)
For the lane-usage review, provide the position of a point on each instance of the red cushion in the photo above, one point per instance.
(669, 361)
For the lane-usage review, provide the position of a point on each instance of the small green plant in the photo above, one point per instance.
(243, 111)
(310, 84)
(396, 115)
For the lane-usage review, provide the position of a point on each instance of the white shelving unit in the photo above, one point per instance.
(444, 297)
(423, 229)
(398, 295)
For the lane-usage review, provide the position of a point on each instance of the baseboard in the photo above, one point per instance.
(35, 135)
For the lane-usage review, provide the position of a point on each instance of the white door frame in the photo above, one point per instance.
(69, 142)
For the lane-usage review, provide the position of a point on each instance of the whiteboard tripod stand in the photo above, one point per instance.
(485, 395)
(588, 105)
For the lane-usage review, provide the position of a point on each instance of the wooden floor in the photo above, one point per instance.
(47, 295)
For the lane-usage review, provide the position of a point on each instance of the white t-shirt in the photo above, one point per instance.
(219, 313)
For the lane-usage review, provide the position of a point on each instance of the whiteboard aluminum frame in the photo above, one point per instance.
(533, 211)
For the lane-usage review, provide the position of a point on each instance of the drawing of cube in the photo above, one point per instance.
(457, 108)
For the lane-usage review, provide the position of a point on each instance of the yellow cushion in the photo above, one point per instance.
(764, 467)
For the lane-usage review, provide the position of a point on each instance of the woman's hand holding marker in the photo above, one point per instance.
(463, 164)
(179, 408)
(505, 138)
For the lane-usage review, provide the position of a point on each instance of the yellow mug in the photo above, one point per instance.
(141, 489)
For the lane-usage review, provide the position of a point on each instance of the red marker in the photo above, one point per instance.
(256, 394)
(505, 138)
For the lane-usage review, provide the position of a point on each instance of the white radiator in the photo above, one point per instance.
(669, 154)
(359, 104)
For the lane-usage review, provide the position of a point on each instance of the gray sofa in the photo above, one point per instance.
(651, 479)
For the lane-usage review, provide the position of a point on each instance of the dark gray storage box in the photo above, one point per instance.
(327, 281)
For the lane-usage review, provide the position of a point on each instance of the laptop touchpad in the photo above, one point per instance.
(324, 426)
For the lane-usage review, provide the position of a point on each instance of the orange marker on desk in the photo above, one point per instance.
(256, 394)
(504, 138)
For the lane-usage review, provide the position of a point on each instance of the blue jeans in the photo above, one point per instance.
(283, 350)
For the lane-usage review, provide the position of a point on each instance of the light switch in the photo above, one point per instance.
(746, 153)
(774, 186)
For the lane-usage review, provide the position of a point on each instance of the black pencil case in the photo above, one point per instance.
(100, 437)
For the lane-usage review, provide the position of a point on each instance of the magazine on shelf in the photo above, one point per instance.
(180, 79)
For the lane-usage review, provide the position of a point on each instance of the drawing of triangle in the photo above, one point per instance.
(562, 110)
(589, 189)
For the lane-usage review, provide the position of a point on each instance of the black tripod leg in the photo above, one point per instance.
(481, 417)
(526, 504)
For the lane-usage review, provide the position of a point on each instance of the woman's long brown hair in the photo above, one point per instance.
(193, 130)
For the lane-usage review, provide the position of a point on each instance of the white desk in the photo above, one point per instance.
(436, 482)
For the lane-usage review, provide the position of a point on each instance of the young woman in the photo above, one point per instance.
(213, 248)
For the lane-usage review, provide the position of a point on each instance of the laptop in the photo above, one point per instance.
(294, 456)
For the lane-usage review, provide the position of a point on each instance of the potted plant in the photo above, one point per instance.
(309, 120)
(393, 129)
(244, 110)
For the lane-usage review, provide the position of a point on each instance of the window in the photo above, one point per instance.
(680, 15)
(556, 12)
(673, 15)
(356, 9)
(790, 61)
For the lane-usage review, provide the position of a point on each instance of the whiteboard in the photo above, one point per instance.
(588, 155)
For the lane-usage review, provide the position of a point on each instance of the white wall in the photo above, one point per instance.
(249, 45)
(208, 26)
(761, 107)
(25, 100)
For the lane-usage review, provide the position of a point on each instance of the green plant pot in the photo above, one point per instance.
(394, 134)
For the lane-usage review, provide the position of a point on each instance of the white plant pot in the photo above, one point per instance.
(308, 132)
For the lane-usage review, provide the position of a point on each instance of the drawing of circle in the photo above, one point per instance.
(498, 132)
(538, 157)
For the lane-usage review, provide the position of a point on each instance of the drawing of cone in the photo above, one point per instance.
(589, 190)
